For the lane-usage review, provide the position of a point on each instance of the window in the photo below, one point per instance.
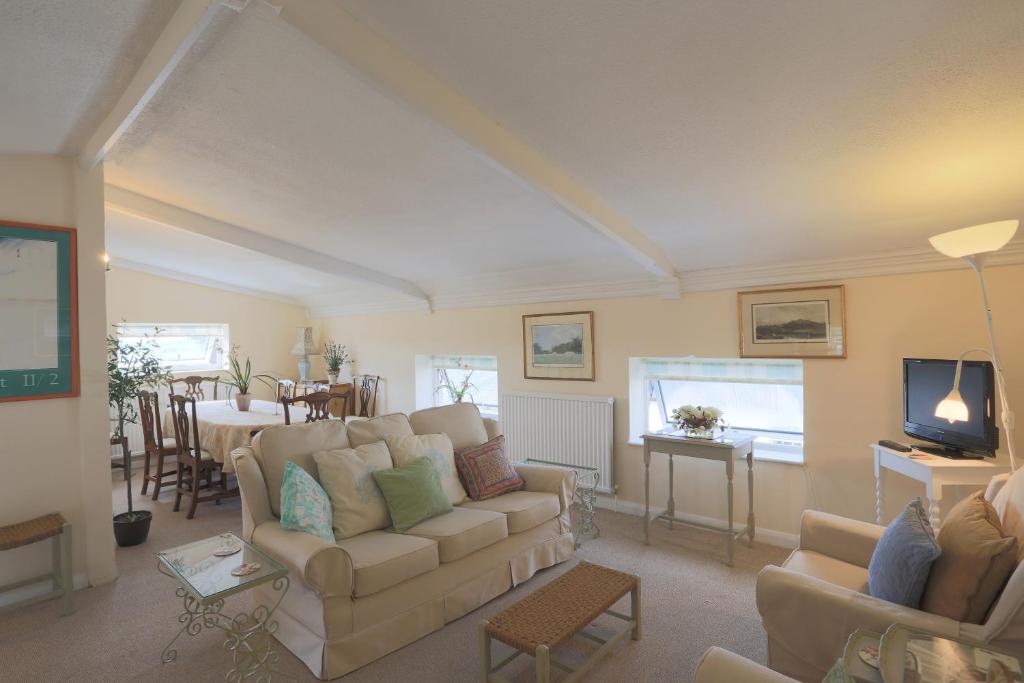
(765, 397)
(441, 380)
(183, 347)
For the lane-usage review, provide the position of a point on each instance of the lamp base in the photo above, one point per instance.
(303, 369)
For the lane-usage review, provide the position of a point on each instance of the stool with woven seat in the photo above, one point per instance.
(35, 530)
(552, 615)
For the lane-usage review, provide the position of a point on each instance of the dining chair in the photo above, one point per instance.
(317, 404)
(339, 407)
(285, 389)
(194, 386)
(194, 463)
(155, 444)
(366, 396)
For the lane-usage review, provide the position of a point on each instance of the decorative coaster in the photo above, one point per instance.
(869, 655)
(245, 569)
(225, 552)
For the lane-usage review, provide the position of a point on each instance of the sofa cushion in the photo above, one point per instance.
(381, 559)
(362, 432)
(522, 509)
(460, 421)
(903, 558)
(1009, 505)
(305, 506)
(462, 531)
(486, 471)
(277, 445)
(347, 475)
(438, 448)
(977, 558)
(837, 572)
(413, 493)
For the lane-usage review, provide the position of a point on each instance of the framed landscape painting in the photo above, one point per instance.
(801, 322)
(559, 346)
(39, 312)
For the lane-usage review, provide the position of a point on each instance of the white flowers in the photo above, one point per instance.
(697, 416)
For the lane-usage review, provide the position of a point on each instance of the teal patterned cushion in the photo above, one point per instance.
(304, 504)
(837, 674)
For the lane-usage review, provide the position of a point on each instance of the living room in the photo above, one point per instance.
(543, 227)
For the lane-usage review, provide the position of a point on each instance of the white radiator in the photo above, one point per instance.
(574, 430)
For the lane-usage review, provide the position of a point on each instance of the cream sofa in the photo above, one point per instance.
(358, 599)
(721, 666)
(818, 597)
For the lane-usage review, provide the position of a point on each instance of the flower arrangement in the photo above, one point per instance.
(335, 355)
(240, 377)
(698, 421)
(457, 390)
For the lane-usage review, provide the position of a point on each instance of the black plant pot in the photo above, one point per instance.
(132, 528)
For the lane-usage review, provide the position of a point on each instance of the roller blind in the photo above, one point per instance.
(486, 363)
(738, 370)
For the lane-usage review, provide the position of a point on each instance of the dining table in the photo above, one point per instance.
(223, 427)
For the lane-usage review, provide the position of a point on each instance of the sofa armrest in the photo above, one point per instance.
(849, 540)
(814, 618)
(721, 666)
(253, 489)
(322, 566)
(492, 427)
(549, 479)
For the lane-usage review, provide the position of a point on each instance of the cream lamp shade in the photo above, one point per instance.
(303, 342)
(976, 239)
(952, 408)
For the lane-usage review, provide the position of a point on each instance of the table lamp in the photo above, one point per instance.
(303, 348)
(971, 244)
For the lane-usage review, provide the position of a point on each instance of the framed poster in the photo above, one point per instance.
(559, 346)
(39, 310)
(800, 322)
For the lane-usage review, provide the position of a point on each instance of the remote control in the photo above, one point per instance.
(885, 443)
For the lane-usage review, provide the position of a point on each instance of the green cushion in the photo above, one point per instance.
(305, 505)
(413, 493)
(837, 674)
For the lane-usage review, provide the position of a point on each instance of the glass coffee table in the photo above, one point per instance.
(584, 497)
(204, 570)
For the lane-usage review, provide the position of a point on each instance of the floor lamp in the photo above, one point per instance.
(972, 244)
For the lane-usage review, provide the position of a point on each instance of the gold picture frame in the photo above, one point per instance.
(559, 346)
(793, 322)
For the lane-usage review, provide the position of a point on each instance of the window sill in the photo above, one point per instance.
(780, 458)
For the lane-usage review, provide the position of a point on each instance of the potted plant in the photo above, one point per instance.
(240, 377)
(457, 390)
(336, 356)
(130, 367)
(698, 422)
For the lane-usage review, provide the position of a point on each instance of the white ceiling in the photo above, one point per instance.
(731, 133)
(65, 62)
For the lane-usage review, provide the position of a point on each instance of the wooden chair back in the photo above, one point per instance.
(149, 420)
(285, 389)
(317, 405)
(365, 394)
(340, 407)
(186, 429)
(194, 386)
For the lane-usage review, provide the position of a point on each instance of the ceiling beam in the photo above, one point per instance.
(396, 73)
(181, 32)
(133, 204)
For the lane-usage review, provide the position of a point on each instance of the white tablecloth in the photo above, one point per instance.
(223, 428)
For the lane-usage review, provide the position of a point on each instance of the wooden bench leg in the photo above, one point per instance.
(485, 653)
(634, 596)
(64, 565)
(543, 656)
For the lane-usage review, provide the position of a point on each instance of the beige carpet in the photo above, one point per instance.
(691, 601)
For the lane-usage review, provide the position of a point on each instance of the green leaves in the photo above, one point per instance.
(335, 355)
(240, 374)
(131, 367)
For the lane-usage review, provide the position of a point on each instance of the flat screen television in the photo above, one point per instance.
(928, 381)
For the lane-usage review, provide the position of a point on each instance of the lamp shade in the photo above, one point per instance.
(303, 342)
(952, 408)
(976, 239)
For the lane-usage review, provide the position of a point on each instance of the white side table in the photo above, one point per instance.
(934, 472)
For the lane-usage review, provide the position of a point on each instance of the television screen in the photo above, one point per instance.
(927, 382)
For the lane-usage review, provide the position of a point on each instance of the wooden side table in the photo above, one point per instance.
(726, 449)
(934, 471)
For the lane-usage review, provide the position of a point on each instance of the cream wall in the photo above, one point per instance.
(848, 403)
(264, 329)
(53, 452)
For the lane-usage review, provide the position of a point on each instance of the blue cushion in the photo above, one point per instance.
(903, 558)
(305, 505)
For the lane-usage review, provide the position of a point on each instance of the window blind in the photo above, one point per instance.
(738, 370)
(488, 363)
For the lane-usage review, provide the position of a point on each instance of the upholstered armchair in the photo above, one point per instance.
(818, 597)
(721, 666)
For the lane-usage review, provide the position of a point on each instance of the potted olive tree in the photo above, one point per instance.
(130, 367)
(240, 378)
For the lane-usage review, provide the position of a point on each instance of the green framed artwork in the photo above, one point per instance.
(39, 312)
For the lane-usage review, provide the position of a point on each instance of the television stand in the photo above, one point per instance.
(946, 452)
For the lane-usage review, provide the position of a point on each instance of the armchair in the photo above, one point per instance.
(811, 604)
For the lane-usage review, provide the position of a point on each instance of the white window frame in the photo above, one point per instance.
(770, 446)
(217, 362)
(427, 385)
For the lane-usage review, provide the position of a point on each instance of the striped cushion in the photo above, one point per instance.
(485, 470)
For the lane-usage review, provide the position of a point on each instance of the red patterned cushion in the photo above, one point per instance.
(485, 471)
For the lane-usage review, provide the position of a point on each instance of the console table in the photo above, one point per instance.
(726, 449)
(934, 472)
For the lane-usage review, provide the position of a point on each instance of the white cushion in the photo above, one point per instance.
(381, 559)
(357, 505)
(460, 421)
(462, 531)
(361, 432)
(277, 445)
(522, 509)
(437, 447)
